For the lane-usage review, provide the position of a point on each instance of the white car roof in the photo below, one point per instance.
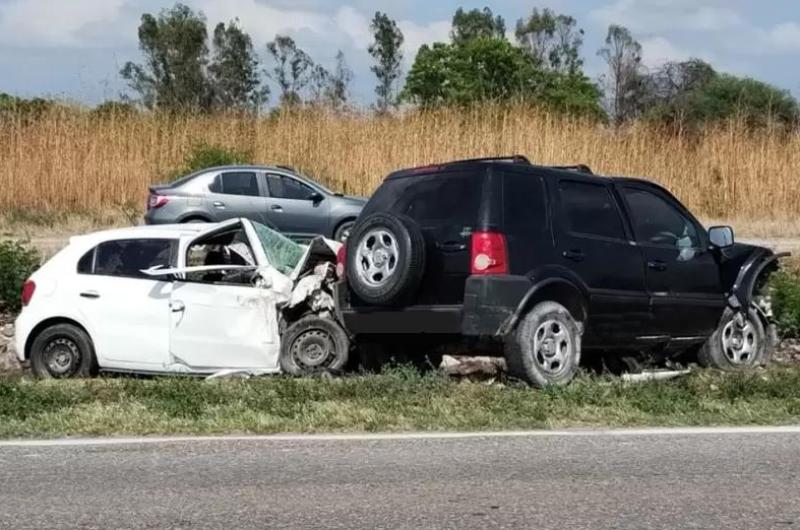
(173, 231)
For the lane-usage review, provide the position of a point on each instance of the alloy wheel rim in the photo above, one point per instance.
(552, 347)
(740, 342)
(377, 257)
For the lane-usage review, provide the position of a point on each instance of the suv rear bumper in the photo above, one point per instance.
(488, 302)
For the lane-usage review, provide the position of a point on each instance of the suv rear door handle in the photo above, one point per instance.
(657, 265)
(451, 246)
(574, 255)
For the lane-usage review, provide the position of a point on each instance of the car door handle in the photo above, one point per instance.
(176, 306)
(276, 208)
(657, 265)
(451, 246)
(219, 204)
(90, 294)
(574, 255)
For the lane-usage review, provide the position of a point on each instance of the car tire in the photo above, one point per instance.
(343, 231)
(385, 259)
(314, 345)
(545, 348)
(63, 351)
(737, 344)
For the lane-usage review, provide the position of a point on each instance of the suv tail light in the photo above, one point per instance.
(156, 201)
(28, 289)
(489, 253)
(341, 259)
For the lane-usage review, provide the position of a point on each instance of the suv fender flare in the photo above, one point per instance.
(749, 273)
(565, 291)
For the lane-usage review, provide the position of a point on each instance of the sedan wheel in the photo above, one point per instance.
(313, 345)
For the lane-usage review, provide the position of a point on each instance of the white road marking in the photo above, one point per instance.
(657, 431)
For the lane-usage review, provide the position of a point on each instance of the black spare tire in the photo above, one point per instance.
(385, 258)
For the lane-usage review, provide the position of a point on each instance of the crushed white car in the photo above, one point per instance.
(230, 297)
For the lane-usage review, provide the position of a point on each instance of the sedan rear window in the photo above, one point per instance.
(236, 183)
(128, 257)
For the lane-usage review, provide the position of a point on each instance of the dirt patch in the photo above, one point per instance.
(8, 358)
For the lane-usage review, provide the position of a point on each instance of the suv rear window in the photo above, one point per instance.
(453, 198)
(524, 208)
(590, 209)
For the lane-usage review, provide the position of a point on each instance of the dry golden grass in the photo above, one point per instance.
(72, 161)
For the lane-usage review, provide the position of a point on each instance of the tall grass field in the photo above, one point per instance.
(71, 160)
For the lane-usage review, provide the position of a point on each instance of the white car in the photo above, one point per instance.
(191, 298)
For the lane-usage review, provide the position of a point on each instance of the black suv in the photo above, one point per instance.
(546, 262)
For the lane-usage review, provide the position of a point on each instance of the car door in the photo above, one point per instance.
(295, 208)
(218, 323)
(126, 311)
(235, 194)
(592, 242)
(683, 276)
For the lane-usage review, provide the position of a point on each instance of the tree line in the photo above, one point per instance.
(183, 68)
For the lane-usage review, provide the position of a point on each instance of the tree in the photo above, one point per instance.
(292, 69)
(721, 97)
(552, 40)
(474, 24)
(339, 84)
(626, 77)
(387, 52)
(490, 69)
(175, 56)
(233, 72)
(319, 81)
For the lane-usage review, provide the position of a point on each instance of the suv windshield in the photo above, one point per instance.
(282, 253)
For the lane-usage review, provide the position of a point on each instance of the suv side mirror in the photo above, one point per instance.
(315, 197)
(721, 236)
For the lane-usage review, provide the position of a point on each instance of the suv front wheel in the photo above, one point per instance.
(740, 341)
(545, 348)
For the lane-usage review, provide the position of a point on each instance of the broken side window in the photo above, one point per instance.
(221, 249)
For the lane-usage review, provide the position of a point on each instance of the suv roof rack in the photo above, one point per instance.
(578, 168)
(513, 159)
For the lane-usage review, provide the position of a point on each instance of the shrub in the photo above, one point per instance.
(17, 263)
(785, 294)
(203, 155)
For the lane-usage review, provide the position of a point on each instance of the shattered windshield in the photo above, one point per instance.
(282, 253)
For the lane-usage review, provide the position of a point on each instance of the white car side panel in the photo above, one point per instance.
(223, 326)
(128, 321)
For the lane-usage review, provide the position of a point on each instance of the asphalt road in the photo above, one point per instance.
(712, 480)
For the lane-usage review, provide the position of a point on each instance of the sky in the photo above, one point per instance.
(74, 49)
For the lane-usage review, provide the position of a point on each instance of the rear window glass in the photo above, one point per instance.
(236, 183)
(453, 198)
(524, 207)
(127, 257)
(590, 209)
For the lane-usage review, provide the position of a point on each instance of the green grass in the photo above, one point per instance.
(399, 400)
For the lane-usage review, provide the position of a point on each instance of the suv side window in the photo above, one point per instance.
(236, 183)
(283, 187)
(590, 209)
(657, 222)
(127, 257)
(524, 207)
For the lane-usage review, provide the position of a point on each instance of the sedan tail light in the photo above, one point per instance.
(28, 288)
(156, 201)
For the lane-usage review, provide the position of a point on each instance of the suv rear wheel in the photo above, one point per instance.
(385, 258)
(545, 349)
